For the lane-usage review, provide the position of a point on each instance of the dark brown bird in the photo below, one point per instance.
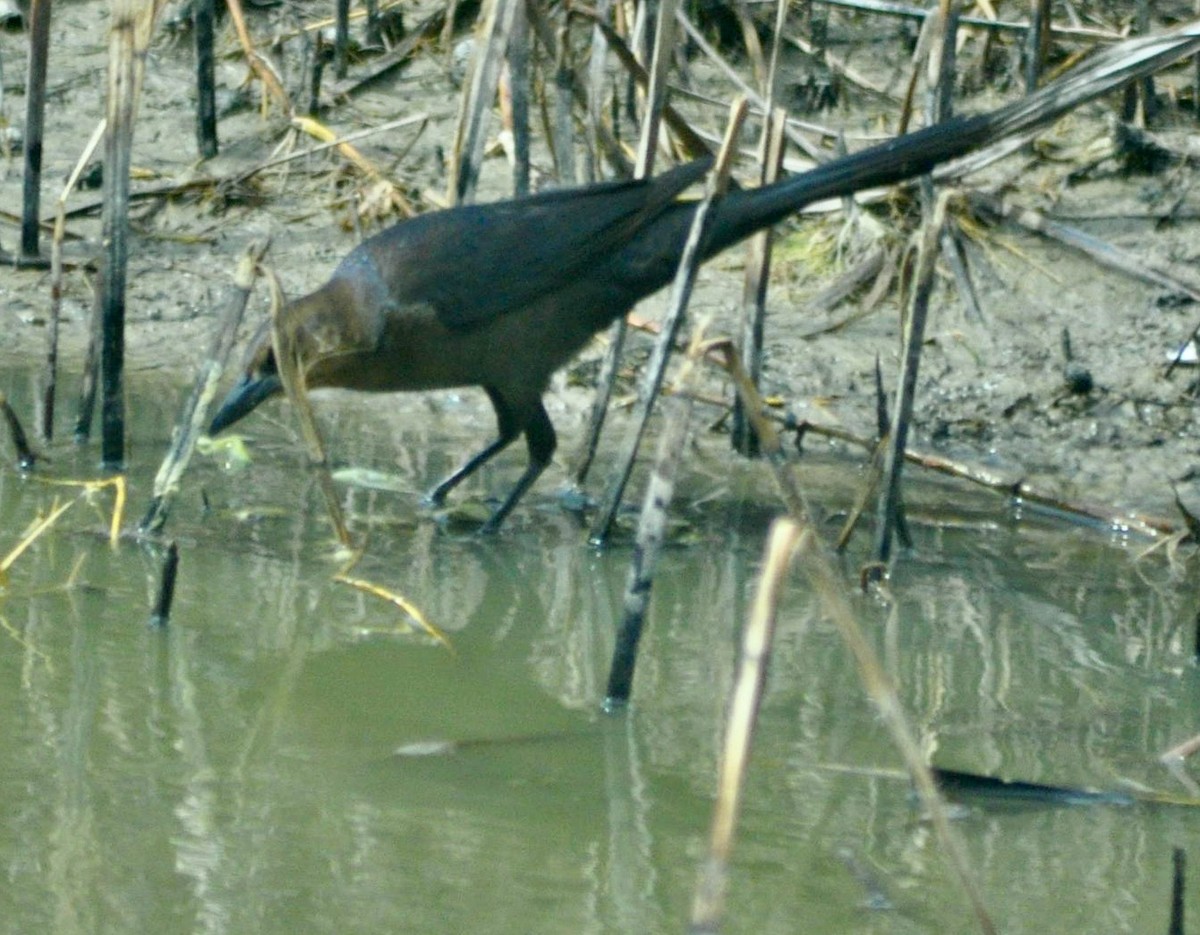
(502, 295)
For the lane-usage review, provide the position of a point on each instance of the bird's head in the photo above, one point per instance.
(259, 382)
(328, 330)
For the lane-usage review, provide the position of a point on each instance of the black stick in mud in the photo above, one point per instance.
(49, 384)
(890, 514)
(754, 286)
(206, 97)
(166, 588)
(118, 142)
(1037, 43)
(322, 55)
(341, 38)
(129, 38)
(374, 28)
(35, 109)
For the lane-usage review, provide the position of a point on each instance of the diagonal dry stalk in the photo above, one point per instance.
(830, 591)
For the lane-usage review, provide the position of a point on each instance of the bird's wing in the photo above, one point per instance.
(476, 263)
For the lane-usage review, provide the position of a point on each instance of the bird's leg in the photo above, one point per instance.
(436, 496)
(509, 429)
(541, 440)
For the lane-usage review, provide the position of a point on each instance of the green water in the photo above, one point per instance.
(238, 771)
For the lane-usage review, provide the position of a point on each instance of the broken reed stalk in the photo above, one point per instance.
(166, 588)
(272, 87)
(129, 38)
(802, 142)
(563, 138)
(942, 91)
(754, 285)
(520, 81)
(656, 96)
(828, 586)
(708, 901)
(605, 381)
(49, 381)
(758, 247)
(193, 417)
(35, 111)
(479, 91)
(610, 145)
(681, 291)
(888, 516)
(291, 375)
(597, 83)
(687, 139)
(91, 370)
(374, 28)
(1168, 277)
(661, 487)
(206, 95)
(910, 11)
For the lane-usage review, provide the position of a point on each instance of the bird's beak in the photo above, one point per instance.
(245, 396)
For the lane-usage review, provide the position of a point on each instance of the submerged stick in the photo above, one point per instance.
(25, 455)
(166, 588)
(1178, 877)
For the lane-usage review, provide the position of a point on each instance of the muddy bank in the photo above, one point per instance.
(992, 392)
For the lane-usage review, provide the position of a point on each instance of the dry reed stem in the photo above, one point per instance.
(708, 903)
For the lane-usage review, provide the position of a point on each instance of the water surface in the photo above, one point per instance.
(238, 771)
